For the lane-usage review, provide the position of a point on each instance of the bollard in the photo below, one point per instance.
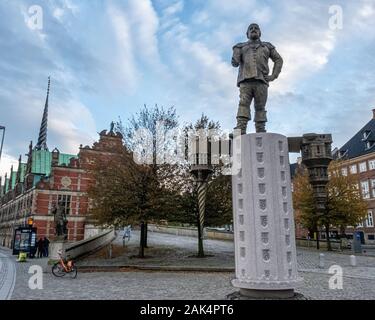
(353, 260)
(321, 260)
(110, 251)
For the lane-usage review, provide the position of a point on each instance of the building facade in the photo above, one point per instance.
(357, 157)
(48, 178)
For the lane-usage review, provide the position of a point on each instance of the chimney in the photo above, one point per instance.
(55, 157)
(373, 113)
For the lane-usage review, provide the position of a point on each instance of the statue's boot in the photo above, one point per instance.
(260, 127)
(242, 124)
(260, 120)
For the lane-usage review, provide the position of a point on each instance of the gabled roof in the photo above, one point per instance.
(42, 161)
(363, 142)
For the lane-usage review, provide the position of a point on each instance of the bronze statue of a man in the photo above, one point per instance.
(60, 220)
(253, 78)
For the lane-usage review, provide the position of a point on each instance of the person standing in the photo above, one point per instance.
(46, 247)
(40, 248)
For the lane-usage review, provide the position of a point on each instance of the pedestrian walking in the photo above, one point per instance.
(127, 232)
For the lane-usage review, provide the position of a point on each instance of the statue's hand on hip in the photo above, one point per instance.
(269, 78)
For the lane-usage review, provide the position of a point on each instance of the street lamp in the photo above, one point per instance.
(30, 222)
(201, 169)
(2, 140)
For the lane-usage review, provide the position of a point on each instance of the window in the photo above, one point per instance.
(353, 169)
(366, 133)
(371, 165)
(365, 189)
(64, 201)
(369, 220)
(344, 171)
(362, 167)
(360, 225)
(373, 187)
(371, 237)
(369, 144)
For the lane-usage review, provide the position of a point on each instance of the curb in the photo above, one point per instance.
(129, 268)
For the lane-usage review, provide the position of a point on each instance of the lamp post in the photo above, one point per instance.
(2, 140)
(201, 169)
(30, 222)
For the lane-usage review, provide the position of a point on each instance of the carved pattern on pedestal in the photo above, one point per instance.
(241, 219)
(242, 252)
(264, 221)
(261, 173)
(289, 257)
(287, 240)
(282, 160)
(283, 191)
(283, 176)
(262, 188)
(260, 157)
(263, 204)
(266, 255)
(242, 235)
(240, 188)
(265, 238)
(286, 224)
(285, 207)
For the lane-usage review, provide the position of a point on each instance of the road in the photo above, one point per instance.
(7, 276)
(358, 282)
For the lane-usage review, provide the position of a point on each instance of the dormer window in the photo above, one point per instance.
(366, 133)
(369, 144)
(342, 153)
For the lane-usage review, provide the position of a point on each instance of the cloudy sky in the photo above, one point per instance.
(108, 58)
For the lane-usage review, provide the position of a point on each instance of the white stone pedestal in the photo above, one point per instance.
(55, 246)
(265, 250)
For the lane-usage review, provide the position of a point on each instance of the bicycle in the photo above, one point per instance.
(61, 268)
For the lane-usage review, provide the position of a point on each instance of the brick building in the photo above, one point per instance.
(46, 178)
(357, 157)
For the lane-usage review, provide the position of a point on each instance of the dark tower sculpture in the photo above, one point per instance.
(42, 139)
(316, 156)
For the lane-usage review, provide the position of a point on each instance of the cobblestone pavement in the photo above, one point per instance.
(358, 282)
(7, 276)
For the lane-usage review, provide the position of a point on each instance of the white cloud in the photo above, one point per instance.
(71, 124)
(58, 13)
(6, 163)
(124, 55)
(135, 26)
(144, 25)
(303, 56)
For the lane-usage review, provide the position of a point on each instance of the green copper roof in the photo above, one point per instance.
(13, 179)
(23, 172)
(6, 185)
(42, 160)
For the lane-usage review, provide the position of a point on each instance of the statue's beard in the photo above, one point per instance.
(254, 36)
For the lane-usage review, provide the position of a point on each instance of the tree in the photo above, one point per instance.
(158, 122)
(344, 206)
(303, 202)
(123, 192)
